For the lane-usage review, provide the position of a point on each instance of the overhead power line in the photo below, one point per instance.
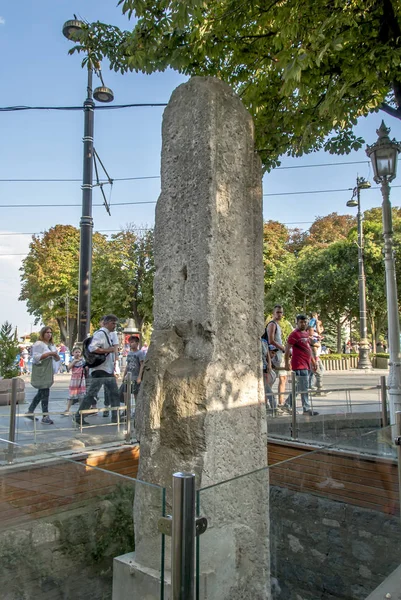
(78, 180)
(297, 193)
(7, 233)
(72, 205)
(75, 180)
(72, 108)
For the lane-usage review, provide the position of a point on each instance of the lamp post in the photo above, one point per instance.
(71, 31)
(363, 361)
(383, 154)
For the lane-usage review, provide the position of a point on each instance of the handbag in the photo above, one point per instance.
(42, 374)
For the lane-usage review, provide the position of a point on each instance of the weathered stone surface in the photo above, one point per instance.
(343, 557)
(5, 391)
(201, 406)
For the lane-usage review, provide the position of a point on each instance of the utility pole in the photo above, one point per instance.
(72, 30)
(86, 223)
(384, 154)
(364, 360)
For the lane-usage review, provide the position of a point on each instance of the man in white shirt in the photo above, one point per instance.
(114, 340)
(102, 343)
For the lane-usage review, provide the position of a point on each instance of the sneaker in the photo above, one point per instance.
(65, 414)
(310, 413)
(106, 413)
(78, 421)
(286, 408)
(31, 417)
(47, 421)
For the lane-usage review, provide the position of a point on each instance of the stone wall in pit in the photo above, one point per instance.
(328, 550)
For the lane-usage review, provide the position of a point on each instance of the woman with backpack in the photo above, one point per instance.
(44, 364)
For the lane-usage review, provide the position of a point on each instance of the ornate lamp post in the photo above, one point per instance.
(363, 361)
(383, 155)
(102, 94)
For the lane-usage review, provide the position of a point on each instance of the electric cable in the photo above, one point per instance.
(273, 194)
(76, 180)
(72, 108)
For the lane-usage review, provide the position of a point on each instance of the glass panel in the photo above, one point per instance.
(233, 552)
(64, 432)
(334, 522)
(334, 519)
(64, 521)
(345, 408)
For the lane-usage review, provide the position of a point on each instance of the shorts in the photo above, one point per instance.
(281, 372)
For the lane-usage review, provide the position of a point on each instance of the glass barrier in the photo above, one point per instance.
(334, 517)
(58, 425)
(233, 553)
(66, 525)
(331, 415)
(334, 523)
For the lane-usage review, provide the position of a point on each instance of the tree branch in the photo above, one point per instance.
(394, 112)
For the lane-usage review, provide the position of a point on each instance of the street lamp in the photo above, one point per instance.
(71, 30)
(383, 155)
(363, 361)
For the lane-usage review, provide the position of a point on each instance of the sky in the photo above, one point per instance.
(36, 70)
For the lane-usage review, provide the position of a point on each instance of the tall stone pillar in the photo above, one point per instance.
(201, 406)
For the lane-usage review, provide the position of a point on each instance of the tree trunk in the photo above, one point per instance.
(68, 340)
(373, 330)
(338, 326)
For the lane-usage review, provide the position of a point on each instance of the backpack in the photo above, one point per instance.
(91, 358)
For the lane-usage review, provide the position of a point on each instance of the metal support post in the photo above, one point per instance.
(128, 407)
(394, 378)
(183, 537)
(294, 429)
(86, 223)
(13, 412)
(383, 400)
(398, 444)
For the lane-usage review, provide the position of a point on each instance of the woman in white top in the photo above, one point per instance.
(42, 349)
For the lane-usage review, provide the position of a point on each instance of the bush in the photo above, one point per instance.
(337, 356)
(8, 351)
(381, 355)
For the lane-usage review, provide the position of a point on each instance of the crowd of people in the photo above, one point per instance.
(86, 379)
(299, 354)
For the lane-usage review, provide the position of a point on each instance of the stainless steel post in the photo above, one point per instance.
(383, 400)
(128, 407)
(13, 412)
(398, 434)
(183, 537)
(294, 429)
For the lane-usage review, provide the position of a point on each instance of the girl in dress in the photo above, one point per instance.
(77, 389)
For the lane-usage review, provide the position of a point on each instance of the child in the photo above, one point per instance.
(77, 389)
(135, 363)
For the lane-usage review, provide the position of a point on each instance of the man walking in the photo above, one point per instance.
(102, 343)
(302, 362)
(274, 337)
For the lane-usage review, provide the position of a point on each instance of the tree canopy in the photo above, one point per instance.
(122, 277)
(323, 275)
(306, 70)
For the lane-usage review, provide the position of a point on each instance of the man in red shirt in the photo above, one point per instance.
(302, 362)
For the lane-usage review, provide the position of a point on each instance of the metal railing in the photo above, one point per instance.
(295, 392)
